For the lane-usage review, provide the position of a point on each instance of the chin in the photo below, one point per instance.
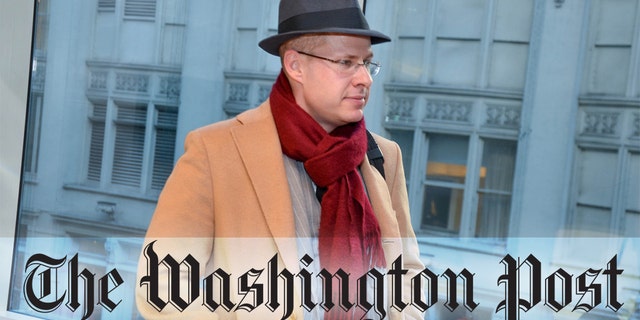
(355, 117)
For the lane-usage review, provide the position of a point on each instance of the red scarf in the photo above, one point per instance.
(349, 235)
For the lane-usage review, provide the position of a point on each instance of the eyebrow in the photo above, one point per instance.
(367, 57)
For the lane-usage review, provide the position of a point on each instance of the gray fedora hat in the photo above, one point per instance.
(300, 17)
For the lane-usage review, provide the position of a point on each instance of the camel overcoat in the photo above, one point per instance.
(227, 204)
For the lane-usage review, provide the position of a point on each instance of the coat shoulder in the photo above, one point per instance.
(390, 149)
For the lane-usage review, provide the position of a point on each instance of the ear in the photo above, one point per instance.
(292, 64)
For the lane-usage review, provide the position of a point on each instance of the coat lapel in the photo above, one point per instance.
(259, 147)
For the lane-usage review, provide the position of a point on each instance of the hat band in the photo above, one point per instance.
(351, 18)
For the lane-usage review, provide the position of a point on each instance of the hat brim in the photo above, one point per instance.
(272, 44)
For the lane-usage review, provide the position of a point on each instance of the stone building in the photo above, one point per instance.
(519, 122)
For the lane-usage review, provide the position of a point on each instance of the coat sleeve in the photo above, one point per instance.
(182, 225)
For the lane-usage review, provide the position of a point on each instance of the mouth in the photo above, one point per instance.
(360, 101)
(358, 97)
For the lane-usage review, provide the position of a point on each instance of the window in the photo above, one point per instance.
(612, 62)
(607, 175)
(250, 74)
(106, 5)
(164, 146)
(607, 183)
(444, 184)
(132, 143)
(33, 136)
(454, 104)
(140, 9)
(496, 175)
(97, 142)
(465, 151)
(462, 195)
(474, 44)
(130, 125)
(606, 201)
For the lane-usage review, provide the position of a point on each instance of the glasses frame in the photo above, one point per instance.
(373, 68)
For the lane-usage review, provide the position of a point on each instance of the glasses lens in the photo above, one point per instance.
(373, 68)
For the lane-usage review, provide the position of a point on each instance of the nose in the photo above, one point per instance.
(362, 76)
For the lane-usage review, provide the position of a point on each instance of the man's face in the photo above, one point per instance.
(331, 93)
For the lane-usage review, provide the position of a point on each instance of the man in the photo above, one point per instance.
(288, 187)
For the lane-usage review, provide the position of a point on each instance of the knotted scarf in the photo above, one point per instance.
(349, 235)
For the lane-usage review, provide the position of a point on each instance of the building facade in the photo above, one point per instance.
(519, 122)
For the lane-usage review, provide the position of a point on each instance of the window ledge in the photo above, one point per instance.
(116, 193)
(132, 66)
(487, 246)
(608, 101)
(404, 87)
(248, 75)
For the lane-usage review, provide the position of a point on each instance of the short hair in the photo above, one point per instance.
(307, 42)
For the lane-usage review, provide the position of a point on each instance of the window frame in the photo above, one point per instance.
(145, 188)
(156, 97)
(600, 125)
(595, 45)
(20, 15)
(622, 147)
(477, 116)
(485, 42)
(470, 187)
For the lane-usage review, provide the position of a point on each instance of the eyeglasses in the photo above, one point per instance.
(347, 66)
